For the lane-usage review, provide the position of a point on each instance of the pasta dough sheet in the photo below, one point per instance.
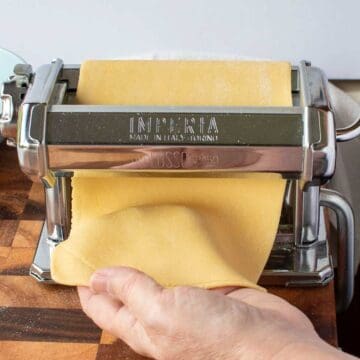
(187, 83)
(200, 231)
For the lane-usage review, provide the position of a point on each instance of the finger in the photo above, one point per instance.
(136, 290)
(101, 308)
(225, 289)
(115, 318)
(132, 332)
(84, 293)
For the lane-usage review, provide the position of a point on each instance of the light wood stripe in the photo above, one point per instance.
(107, 338)
(12, 350)
(17, 262)
(118, 350)
(4, 253)
(28, 233)
(24, 291)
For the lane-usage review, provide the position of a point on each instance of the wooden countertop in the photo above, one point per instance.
(40, 321)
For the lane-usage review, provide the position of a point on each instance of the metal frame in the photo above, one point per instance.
(56, 137)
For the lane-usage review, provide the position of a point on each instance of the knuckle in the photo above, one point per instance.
(180, 296)
(166, 310)
(125, 288)
(167, 297)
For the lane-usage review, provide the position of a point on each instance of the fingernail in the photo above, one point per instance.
(98, 282)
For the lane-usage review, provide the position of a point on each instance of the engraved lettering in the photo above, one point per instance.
(172, 125)
(168, 156)
(139, 137)
(213, 125)
(141, 125)
(177, 158)
(132, 125)
(203, 138)
(189, 126)
(202, 128)
(202, 124)
(183, 160)
(161, 162)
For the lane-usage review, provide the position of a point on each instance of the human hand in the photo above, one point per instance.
(194, 323)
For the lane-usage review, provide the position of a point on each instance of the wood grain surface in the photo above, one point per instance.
(40, 321)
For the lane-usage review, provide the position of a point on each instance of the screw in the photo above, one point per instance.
(23, 69)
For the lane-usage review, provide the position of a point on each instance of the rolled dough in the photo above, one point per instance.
(207, 232)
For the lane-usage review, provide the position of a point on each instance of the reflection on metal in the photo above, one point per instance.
(8, 61)
(292, 265)
(55, 137)
(345, 245)
(349, 133)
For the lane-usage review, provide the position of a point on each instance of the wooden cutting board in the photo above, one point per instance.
(40, 321)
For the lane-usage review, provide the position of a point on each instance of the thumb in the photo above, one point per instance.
(133, 288)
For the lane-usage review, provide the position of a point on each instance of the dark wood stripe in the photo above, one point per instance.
(318, 304)
(14, 185)
(52, 325)
(12, 203)
(349, 324)
(16, 271)
(35, 205)
(7, 231)
(11, 177)
(117, 350)
(33, 211)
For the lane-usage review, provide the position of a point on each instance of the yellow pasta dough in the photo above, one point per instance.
(202, 231)
(192, 83)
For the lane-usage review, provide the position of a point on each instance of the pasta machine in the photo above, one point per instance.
(54, 137)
